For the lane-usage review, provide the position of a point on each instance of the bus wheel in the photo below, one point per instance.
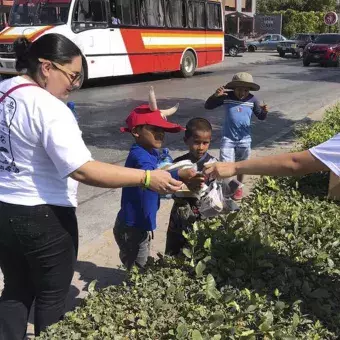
(188, 66)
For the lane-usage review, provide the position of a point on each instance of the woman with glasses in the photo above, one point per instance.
(42, 159)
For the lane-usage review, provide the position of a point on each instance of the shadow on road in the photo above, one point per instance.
(101, 125)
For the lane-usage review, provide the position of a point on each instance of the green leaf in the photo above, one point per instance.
(92, 287)
(196, 335)
(187, 253)
(211, 291)
(320, 293)
(247, 333)
(251, 308)
(182, 331)
(216, 319)
(141, 323)
(207, 244)
(200, 269)
(296, 320)
(279, 306)
(276, 292)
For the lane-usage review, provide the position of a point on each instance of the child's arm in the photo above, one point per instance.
(216, 99)
(260, 112)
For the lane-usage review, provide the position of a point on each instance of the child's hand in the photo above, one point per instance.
(220, 91)
(264, 107)
(186, 174)
(196, 183)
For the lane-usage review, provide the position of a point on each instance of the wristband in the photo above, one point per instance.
(147, 180)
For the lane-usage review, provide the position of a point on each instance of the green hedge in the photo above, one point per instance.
(270, 271)
(304, 22)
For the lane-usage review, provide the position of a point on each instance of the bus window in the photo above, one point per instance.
(196, 14)
(115, 19)
(175, 13)
(127, 12)
(151, 13)
(90, 14)
(214, 16)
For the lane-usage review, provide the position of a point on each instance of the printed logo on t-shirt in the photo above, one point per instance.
(7, 112)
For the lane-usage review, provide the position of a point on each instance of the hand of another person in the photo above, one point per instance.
(196, 182)
(219, 170)
(163, 183)
(186, 174)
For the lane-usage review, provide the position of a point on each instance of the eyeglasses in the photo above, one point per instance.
(74, 77)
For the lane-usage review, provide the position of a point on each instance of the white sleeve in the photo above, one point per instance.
(329, 153)
(62, 138)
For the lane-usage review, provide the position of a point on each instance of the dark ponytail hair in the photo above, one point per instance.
(53, 46)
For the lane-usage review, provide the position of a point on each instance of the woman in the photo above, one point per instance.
(323, 157)
(42, 157)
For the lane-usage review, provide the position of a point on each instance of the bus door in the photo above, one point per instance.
(90, 22)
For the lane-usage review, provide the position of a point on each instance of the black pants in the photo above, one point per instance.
(38, 251)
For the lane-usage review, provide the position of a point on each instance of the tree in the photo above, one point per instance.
(270, 6)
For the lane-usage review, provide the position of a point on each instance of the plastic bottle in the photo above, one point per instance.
(164, 160)
(72, 107)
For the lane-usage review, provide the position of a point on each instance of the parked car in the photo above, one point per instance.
(265, 42)
(324, 50)
(296, 45)
(233, 46)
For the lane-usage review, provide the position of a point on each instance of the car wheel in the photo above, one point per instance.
(188, 66)
(233, 51)
(282, 54)
(251, 48)
(306, 62)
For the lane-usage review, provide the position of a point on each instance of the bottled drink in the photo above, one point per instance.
(165, 160)
(72, 107)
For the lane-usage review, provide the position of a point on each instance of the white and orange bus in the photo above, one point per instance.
(123, 37)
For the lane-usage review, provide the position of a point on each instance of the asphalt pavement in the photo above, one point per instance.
(290, 90)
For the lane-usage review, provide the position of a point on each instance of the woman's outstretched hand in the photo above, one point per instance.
(163, 183)
(219, 170)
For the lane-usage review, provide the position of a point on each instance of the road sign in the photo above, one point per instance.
(331, 18)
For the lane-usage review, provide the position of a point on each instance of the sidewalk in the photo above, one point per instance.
(98, 259)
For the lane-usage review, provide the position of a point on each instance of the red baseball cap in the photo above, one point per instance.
(142, 115)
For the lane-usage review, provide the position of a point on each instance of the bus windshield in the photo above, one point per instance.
(39, 12)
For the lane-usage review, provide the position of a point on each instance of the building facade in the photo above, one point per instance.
(239, 15)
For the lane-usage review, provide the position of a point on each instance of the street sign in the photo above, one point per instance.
(331, 18)
(271, 23)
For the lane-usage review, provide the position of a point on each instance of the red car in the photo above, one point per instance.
(324, 50)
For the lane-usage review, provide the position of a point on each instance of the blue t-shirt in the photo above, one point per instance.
(238, 114)
(138, 206)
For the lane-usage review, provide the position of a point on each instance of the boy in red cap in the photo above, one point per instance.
(136, 219)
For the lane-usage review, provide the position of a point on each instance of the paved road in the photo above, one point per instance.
(290, 90)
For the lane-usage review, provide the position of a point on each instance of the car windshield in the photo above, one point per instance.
(39, 12)
(327, 39)
(302, 37)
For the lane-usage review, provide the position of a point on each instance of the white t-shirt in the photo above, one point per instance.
(40, 145)
(329, 153)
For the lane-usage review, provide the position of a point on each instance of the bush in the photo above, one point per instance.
(270, 271)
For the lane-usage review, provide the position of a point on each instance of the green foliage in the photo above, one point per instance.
(270, 6)
(270, 271)
(304, 22)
